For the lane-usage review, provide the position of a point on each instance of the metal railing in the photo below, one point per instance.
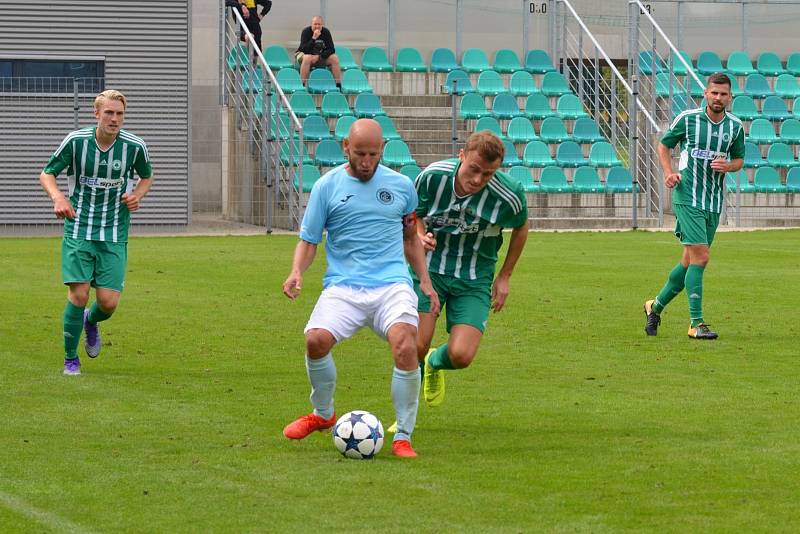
(263, 178)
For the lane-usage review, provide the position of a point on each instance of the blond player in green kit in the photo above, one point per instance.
(712, 144)
(100, 163)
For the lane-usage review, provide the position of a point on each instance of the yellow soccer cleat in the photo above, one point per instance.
(392, 429)
(433, 388)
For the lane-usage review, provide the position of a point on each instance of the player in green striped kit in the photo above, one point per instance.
(464, 205)
(100, 163)
(712, 144)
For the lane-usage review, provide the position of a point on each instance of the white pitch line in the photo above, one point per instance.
(15, 504)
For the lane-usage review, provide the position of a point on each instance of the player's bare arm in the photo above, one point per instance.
(304, 254)
(415, 255)
(425, 237)
(501, 285)
(133, 198)
(671, 178)
(62, 207)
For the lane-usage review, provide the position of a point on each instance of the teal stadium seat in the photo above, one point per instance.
(570, 107)
(354, 82)
(761, 132)
(585, 131)
(368, 105)
(490, 124)
(396, 154)
(258, 104)
(745, 108)
(278, 58)
(796, 108)
(736, 89)
(708, 63)
(252, 80)
(278, 126)
(744, 185)
(774, 109)
(793, 64)
(374, 60)
(411, 170)
(662, 85)
(767, 180)
(680, 103)
(553, 180)
(757, 86)
(678, 68)
(586, 180)
(781, 155)
(553, 131)
(387, 126)
(510, 158)
(522, 84)
(648, 63)
(506, 61)
(472, 106)
(321, 81)
(602, 154)
(695, 89)
(752, 156)
(520, 130)
(522, 175)
(290, 152)
(554, 84)
(504, 106)
(739, 64)
(310, 177)
(793, 180)
(569, 154)
(334, 105)
(537, 155)
(460, 80)
(289, 81)
(443, 60)
(538, 62)
(342, 129)
(329, 153)
(237, 57)
(315, 128)
(490, 84)
(619, 180)
(303, 104)
(410, 60)
(786, 86)
(346, 59)
(790, 131)
(537, 107)
(769, 64)
(474, 60)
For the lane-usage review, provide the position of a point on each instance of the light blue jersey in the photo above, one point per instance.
(364, 221)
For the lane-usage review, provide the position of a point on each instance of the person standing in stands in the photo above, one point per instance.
(316, 50)
(252, 18)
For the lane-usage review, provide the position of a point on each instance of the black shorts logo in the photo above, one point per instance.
(385, 196)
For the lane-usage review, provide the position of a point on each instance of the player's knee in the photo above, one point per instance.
(79, 296)
(461, 358)
(319, 342)
(108, 305)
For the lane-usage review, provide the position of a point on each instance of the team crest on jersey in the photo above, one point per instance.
(116, 165)
(385, 196)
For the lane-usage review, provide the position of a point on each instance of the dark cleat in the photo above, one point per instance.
(701, 331)
(653, 319)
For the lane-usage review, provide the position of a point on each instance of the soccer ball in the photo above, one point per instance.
(358, 435)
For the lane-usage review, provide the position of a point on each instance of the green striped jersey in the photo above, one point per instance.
(97, 180)
(468, 229)
(703, 140)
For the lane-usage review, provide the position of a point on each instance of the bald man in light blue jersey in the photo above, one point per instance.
(368, 211)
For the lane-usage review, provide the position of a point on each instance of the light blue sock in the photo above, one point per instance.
(322, 375)
(405, 396)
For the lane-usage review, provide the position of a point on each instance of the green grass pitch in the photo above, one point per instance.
(570, 419)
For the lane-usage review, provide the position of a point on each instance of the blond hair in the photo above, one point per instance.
(488, 145)
(110, 94)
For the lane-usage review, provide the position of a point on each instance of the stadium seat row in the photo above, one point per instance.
(333, 105)
(766, 180)
(755, 86)
(505, 106)
(738, 64)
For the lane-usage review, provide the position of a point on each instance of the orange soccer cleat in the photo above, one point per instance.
(305, 425)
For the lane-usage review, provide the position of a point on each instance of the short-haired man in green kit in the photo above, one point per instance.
(712, 144)
(100, 163)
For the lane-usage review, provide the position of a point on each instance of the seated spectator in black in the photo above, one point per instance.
(316, 50)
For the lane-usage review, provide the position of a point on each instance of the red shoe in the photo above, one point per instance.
(403, 449)
(305, 425)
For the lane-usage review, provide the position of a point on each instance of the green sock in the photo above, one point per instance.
(694, 288)
(671, 289)
(96, 314)
(73, 324)
(439, 359)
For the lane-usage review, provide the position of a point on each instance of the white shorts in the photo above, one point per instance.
(343, 310)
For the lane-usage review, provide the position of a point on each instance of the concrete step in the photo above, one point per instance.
(417, 111)
(442, 136)
(430, 147)
(416, 101)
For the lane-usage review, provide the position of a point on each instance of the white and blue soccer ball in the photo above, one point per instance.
(358, 435)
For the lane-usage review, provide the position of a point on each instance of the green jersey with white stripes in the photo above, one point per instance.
(703, 140)
(468, 229)
(97, 180)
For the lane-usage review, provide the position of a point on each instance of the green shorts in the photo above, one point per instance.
(464, 301)
(695, 226)
(100, 263)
